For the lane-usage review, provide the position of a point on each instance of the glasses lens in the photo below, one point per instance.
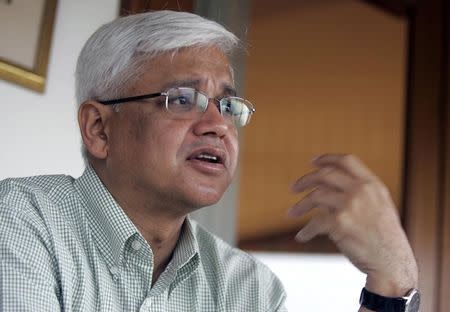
(183, 100)
(239, 110)
(188, 102)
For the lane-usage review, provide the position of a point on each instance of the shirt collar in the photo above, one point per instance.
(185, 259)
(109, 224)
(187, 245)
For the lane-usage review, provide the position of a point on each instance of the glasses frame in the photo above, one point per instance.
(133, 98)
(166, 94)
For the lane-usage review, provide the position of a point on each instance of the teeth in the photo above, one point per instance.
(207, 157)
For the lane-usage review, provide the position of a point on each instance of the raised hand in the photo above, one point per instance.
(356, 211)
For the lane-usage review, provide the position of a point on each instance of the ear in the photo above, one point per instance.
(93, 120)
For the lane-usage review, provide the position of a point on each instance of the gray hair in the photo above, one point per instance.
(109, 61)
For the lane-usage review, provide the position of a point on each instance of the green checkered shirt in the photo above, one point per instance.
(65, 244)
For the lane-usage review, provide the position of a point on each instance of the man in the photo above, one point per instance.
(159, 120)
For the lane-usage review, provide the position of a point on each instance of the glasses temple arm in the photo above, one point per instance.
(132, 98)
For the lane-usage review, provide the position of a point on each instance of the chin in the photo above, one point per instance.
(206, 196)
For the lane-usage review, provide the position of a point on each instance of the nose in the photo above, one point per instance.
(211, 122)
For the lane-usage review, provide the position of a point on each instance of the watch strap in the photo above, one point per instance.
(380, 303)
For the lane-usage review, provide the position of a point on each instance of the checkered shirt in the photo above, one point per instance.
(66, 245)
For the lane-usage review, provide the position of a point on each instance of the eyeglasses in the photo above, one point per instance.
(189, 103)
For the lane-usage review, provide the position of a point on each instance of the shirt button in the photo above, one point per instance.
(147, 303)
(115, 273)
(136, 245)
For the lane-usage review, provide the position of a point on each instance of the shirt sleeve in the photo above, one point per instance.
(19, 293)
(282, 308)
(274, 293)
(27, 272)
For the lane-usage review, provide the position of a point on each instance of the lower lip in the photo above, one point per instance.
(207, 167)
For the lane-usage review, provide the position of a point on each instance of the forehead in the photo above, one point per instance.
(205, 66)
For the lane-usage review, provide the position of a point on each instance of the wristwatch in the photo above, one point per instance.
(375, 302)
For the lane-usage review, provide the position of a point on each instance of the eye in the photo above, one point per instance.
(181, 99)
(227, 106)
(236, 109)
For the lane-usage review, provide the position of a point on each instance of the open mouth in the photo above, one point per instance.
(209, 155)
(209, 158)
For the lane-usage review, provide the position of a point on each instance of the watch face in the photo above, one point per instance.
(414, 304)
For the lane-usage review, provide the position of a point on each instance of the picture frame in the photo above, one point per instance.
(26, 27)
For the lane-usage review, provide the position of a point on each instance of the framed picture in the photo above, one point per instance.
(25, 33)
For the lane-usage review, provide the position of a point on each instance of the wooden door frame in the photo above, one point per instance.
(138, 6)
(426, 203)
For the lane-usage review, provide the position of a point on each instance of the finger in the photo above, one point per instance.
(330, 177)
(347, 162)
(320, 224)
(322, 196)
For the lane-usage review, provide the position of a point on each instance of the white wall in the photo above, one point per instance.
(39, 132)
(316, 282)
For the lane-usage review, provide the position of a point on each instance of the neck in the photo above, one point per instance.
(162, 235)
(161, 231)
(156, 221)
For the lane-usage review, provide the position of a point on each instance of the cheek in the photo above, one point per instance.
(234, 153)
(164, 141)
(133, 139)
(140, 127)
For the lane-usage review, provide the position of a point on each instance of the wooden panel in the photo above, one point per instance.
(445, 258)
(139, 6)
(424, 147)
(285, 242)
(325, 76)
(396, 7)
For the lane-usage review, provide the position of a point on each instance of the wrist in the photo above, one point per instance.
(393, 285)
(390, 287)
(409, 302)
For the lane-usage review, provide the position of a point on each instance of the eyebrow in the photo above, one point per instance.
(227, 89)
(192, 83)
